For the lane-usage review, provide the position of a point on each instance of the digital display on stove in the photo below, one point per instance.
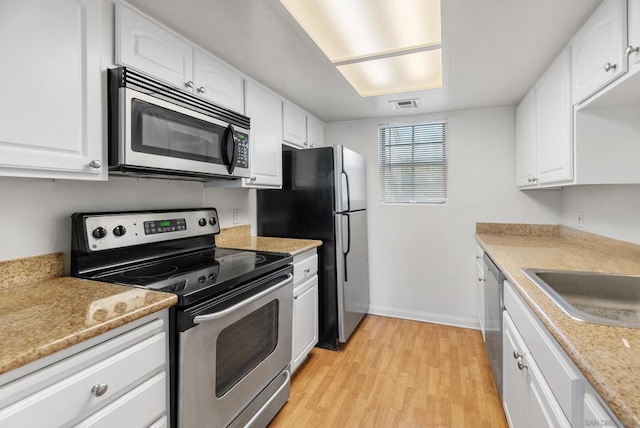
(162, 226)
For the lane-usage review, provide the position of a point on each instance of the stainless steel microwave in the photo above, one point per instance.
(157, 130)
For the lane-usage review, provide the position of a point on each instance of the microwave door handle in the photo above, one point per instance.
(230, 149)
(198, 319)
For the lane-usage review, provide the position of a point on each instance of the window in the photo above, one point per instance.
(412, 163)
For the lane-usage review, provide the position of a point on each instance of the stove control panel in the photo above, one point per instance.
(111, 231)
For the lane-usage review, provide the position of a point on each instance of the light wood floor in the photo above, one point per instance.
(396, 373)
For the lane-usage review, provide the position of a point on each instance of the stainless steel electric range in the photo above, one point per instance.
(230, 333)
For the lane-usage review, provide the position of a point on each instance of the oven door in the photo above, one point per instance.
(158, 135)
(232, 354)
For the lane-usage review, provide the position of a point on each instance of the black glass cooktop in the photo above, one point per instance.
(198, 275)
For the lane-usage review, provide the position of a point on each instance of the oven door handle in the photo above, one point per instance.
(217, 315)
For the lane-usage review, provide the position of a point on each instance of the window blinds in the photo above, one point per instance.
(412, 162)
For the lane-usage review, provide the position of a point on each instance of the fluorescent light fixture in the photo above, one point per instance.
(380, 46)
(350, 29)
(403, 73)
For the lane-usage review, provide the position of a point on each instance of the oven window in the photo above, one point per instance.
(159, 131)
(244, 344)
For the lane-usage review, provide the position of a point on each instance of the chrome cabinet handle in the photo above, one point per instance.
(521, 364)
(517, 355)
(481, 279)
(189, 84)
(530, 179)
(630, 49)
(478, 257)
(217, 315)
(99, 389)
(608, 66)
(307, 270)
(95, 164)
(295, 297)
(252, 179)
(202, 89)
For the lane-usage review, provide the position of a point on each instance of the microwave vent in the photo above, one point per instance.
(405, 104)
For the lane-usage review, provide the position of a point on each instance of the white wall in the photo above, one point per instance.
(421, 258)
(609, 210)
(35, 213)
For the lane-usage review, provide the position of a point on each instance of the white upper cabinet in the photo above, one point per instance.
(633, 48)
(265, 142)
(554, 111)
(218, 82)
(544, 137)
(525, 140)
(300, 129)
(598, 49)
(294, 125)
(315, 132)
(53, 91)
(142, 44)
(149, 47)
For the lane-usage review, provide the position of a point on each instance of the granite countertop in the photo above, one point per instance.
(608, 356)
(238, 238)
(43, 312)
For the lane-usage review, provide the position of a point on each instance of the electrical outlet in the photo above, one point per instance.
(580, 219)
(236, 216)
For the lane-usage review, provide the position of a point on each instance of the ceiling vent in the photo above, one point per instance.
(405, 104)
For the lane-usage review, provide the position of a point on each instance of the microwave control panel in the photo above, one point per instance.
(243, 149)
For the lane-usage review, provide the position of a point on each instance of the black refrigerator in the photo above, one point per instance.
(323, 197)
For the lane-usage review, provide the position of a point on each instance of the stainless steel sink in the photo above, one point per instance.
(592, 297)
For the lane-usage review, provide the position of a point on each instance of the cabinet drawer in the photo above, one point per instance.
(305, 268)
(71, 398)
(562, 376)
(138, 408)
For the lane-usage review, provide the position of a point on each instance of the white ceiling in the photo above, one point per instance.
(493, 51)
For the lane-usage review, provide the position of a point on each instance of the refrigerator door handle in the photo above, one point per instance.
(348, 193)
(348, 246)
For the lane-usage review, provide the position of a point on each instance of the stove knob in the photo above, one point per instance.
(202, 279)
(202, 222)
(99, 232)
(213, 221)
(119, 230)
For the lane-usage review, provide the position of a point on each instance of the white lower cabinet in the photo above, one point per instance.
(527, 398)
(542, 387)
(479, 287)
(121, 381)
(305, 306)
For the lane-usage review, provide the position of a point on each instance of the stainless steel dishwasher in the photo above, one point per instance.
(493, 307)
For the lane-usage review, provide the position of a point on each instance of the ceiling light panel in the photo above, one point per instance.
(401, 73)
(352, 29)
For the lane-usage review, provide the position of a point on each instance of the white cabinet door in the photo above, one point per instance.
(142, 44)
(305, 320)
(525, 140)
(554, 112)
(294, 125)
(542, 408)
(514, 380)
(52, 89)
(218, 82)
(265, 110)
(633, 48)
(315, 132)
(597, 51)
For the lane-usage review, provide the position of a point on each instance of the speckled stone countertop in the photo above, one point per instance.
(608, 356)
(238, 238)
(42, 312)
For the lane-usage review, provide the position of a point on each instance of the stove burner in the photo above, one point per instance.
(244, 257)
(150, 271)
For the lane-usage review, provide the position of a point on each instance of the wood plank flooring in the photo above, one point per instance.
(396, 373)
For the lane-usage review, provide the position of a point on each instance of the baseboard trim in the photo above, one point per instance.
(449, 320)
